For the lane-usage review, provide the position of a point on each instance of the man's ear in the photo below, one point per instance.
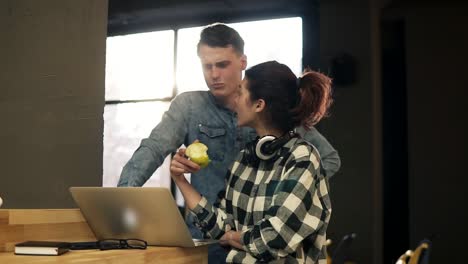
(244, 62)
(260, 105)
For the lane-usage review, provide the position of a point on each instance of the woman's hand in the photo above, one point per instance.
(180, 165)
(231, 238)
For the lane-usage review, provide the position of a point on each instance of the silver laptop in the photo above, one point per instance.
(148, 213)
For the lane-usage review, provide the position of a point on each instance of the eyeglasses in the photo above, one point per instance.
(107, 244)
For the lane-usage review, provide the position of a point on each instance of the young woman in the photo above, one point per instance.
(276, 207)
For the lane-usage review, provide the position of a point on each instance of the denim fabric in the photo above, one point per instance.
(191, 116)
(197, 115)
(330, 160)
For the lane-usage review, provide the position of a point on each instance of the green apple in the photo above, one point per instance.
(197, 152)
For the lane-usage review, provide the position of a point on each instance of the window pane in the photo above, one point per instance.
(189, 72)
(140, 66)
(275, 39)
(125, 125)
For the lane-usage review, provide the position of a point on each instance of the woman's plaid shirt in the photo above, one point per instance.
(281, 206)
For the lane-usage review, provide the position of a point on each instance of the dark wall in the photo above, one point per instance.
(51, 100)
(395, 139)
(345, 28)
(427, 178)
(437, 82)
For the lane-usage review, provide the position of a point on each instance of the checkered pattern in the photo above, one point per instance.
(282, 207)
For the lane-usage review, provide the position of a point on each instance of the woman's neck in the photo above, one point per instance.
(265, 131)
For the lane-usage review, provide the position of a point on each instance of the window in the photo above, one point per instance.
(139, 76)
(141, 80)
(275, 39)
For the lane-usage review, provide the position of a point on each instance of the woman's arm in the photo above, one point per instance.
(212, 220)
(179, 166)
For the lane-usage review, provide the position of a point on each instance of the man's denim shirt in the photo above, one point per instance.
(197, 115)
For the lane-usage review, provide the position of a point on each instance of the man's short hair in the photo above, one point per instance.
(220, 35)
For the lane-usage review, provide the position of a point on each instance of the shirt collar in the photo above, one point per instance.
(219, 104)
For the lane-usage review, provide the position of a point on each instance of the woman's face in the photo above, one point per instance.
(245, 108)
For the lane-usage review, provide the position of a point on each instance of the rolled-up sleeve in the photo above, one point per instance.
(210, 219)
(165, 138)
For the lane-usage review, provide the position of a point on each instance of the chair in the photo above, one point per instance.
(403, 259)
(420, 255)
(341, 252)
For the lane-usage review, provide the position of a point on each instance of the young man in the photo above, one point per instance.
(208, 116)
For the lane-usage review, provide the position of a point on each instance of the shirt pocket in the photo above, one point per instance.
(215, 139)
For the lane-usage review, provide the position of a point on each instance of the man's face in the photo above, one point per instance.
(222, 69)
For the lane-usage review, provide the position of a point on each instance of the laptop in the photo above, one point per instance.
(148, 213)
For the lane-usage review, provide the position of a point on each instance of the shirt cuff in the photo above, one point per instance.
(201, 206)
(244, 239)
(253, 243)
(203, 214)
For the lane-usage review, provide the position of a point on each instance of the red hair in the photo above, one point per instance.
(315, 91)
(290, 102)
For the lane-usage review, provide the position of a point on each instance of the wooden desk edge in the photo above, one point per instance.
(166, 255)
(17, 225)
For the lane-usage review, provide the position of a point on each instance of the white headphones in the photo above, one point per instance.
(266, 147)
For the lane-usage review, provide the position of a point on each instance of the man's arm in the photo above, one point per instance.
(165, 138)
(330, 159)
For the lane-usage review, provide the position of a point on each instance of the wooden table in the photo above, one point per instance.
(18, 225)
(166, 255)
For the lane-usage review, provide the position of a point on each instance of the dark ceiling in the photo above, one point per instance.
(142, 15)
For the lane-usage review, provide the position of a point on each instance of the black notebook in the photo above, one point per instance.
(48, 248)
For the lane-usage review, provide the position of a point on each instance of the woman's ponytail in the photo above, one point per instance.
(315, 93)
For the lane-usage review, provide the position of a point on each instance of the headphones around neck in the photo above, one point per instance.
(266, 147)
